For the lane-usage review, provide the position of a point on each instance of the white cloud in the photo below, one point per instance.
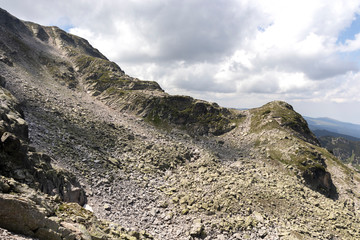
(351, 45)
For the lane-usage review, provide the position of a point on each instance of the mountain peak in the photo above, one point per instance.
(284, 115)
(8, 21)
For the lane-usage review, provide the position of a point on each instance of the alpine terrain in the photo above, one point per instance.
(88, 152)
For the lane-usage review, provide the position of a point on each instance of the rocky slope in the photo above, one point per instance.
(37, 199)
(171, 167)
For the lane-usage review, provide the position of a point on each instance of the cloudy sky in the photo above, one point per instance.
(239, 53)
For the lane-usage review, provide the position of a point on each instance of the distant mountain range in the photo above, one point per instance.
(331, 127)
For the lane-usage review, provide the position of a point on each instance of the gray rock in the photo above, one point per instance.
(197, 229)
(4, 187)
(107, 207)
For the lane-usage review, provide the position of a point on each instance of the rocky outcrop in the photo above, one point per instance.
(26, 215)
(34, 214)
(23, 163)
(320, 180)
(58, 37)
(280, 114)
(274, 126)
(12, 23)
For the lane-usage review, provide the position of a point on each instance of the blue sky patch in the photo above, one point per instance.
(66, 27)
(350, 32)
(64, 23)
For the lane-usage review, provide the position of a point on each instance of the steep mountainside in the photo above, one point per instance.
(346, 148)
(155, 165)
(37, 199)
(348, 151)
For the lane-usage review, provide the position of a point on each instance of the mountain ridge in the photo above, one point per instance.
(333, 125)
(174, 166)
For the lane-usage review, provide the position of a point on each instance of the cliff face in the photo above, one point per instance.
(174, 166)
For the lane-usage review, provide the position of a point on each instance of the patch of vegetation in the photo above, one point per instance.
(73, 209)
(116, 91)
(276, 155)
(83, 61)
(158, 122)
(196, 116)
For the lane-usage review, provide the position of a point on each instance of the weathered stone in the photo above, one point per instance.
(4, 186)
(2, 81)
(75, 194)
(107, 207)
(46, 233)
(20, 215)
(197, 229)
(258, 217)
(332, 216)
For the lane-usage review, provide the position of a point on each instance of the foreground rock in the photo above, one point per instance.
(35, 214)
(7, 235)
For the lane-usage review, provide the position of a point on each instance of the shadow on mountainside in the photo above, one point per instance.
(318, 179)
